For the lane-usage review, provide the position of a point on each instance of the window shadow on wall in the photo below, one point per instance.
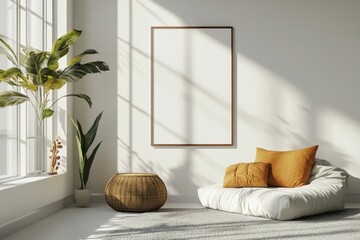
(303, 51)
(309, 48)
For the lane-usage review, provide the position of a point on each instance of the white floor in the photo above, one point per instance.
(84, 223)
(78, 223)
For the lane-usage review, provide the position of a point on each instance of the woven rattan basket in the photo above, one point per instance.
(135, 192)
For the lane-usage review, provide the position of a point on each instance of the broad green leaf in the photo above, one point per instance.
(77, 71)
(78, 58)
(75, 126)
(45, 74)
(65, 40)
(53, 83)
(11, 82)
(81, 160)
(61, 48)
(12, 72)
(79, 141)
(85, 162)
(13, 60)
(15, 77)
(82, 96)
(82, 140)
(8, 55)
(80, 128)
(88, 163)
(9, 73)
(24, 82)
(53, 62)
(9, 98)
(49, 72)
(91, 134)
(33, 63)
(46, 113)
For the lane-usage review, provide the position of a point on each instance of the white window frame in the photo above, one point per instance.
(50, 126)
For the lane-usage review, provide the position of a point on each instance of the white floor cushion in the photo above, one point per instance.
(325, 192)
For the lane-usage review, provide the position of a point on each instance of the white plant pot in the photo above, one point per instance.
(82, 196)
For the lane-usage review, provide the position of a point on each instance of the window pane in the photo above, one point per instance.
(22, 33)
(8, 19)
(35, 39)
(8, 116)
(22, 147)
(49, 25)
(8, 158)
(35, 24)
(8, 119)
(8, 122)
(8, 29)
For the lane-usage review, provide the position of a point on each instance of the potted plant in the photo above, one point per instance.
(84, 141)
(37, 74)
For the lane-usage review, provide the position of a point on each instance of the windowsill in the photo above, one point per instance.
(25, 180)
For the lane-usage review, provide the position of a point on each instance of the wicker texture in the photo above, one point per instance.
(135, 192)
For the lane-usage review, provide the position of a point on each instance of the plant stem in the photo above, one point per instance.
(56, 101)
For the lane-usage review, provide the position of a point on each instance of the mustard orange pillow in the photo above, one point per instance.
(288, 168)
(246, 175)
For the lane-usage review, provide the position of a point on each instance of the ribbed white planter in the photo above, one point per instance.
(82, 196)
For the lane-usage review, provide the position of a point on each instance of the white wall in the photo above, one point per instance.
(297, 82)
(98, 21)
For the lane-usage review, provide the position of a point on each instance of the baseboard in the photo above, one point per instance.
(98, 198)
(182, 199)
(34, 216)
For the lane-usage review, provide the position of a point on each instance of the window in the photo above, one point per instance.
(24, 23)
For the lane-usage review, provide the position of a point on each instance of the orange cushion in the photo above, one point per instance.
(246, 175)
(288, 168)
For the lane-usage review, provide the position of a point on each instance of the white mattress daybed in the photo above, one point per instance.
(325, 192)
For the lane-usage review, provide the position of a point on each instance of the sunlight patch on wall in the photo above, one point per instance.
(340, 136)
(277, 104)
(277, 112)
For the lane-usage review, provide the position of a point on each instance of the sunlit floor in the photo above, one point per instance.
(79, 223)
(93, 222)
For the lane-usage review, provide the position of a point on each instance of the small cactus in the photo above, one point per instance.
(54, 158)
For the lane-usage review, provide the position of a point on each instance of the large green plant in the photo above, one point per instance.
(37, 74)
(83, 142)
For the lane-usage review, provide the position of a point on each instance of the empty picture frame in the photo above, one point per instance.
(192, 86)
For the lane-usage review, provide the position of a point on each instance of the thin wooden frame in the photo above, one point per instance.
(231, 92)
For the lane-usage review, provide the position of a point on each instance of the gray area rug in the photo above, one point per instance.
(214, 224)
